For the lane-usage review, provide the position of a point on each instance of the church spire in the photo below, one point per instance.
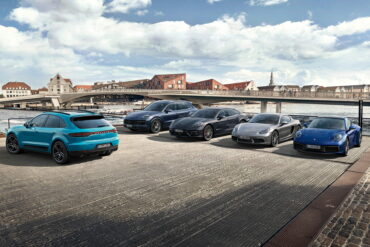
(272, 79)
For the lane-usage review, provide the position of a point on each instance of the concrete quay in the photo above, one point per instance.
(157, 190)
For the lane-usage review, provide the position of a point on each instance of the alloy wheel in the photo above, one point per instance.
(207, 133)
(60, 154)
(12, 144)
(274, 139)
(156, 126)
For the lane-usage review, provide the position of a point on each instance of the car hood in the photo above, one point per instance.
(141, 115)
(320, 135)
(253, 127)
(188, 122)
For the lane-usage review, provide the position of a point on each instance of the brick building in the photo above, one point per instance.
(209, 84)
(242, 86)
(82, 88)
(169, 81)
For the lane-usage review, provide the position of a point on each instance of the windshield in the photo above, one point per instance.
(327, 123)
(156, 106)
(90, 122)
(265, 119)
(206, 113)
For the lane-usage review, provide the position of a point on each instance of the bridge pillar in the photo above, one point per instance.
(263, 106)
(23, 105)
(92, 100)
(55, 103)
(278, 107)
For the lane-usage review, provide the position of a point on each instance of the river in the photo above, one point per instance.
(294, 109)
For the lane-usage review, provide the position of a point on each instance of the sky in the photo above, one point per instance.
(325, 42)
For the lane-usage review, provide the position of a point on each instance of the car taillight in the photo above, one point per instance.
(82, 134)
(85, 134)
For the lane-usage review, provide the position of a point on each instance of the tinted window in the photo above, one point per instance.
(206, 113)
(223, 114)
(285, 119)
(172, 107)
(265, 119)
(156, 106)
(232, 112)
(182, 106)
(90, 122)
(54, 122)
(39, 121)
(327, 123)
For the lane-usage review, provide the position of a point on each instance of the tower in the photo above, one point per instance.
(272, 79)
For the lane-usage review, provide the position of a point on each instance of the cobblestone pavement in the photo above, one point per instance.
(157, 190)
(350, 226)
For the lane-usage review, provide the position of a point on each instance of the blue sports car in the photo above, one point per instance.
(334, 135)
(64, 134)
(158, 115)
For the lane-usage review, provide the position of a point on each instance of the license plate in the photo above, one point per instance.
(106, 145)
(178, 131)
(129, 125)
(245, 137)
(313, 146)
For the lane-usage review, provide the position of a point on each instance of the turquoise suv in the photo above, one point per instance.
(64, 134)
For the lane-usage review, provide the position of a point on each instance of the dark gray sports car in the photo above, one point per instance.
(207, 123)
(267, 129)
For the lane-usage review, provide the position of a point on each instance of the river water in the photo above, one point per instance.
(294, 109)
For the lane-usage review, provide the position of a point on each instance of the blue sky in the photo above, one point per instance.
(323, 42)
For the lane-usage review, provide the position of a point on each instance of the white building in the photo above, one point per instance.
(16, 89)
(59, 85)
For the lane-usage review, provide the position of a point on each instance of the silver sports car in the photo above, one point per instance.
(267, 129)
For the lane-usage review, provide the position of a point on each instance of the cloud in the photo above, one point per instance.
(213, 1)
(125, 6)
(142, 12)
(266, 2)
(76, 37)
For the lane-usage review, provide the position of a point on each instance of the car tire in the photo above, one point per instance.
(60, 153)
(155, 125)
(207, 133)
(274, 139)
(359, 139)
(12, 145)
(346, 148)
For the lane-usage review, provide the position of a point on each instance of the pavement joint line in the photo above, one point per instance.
(278, 239)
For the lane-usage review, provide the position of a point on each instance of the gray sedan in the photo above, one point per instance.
(267, 129)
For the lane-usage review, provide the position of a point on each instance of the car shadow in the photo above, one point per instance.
(284, 148)
(36, 159)
(167, 137)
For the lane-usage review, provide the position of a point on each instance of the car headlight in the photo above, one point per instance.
(298, 134)
(265, 131)
(337, 137)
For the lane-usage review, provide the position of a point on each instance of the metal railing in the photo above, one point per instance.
(17, 118)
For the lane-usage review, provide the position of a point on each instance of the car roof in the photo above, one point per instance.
(173, 101)
(338, 117)
(71, 113)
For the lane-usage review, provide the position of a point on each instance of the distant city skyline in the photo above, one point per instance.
(302, 41)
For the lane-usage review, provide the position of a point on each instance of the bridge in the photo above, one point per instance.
(199, 97)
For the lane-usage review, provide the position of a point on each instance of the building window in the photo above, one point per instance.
(179, 82)
(170, 86)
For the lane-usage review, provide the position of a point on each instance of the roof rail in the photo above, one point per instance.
(65, 113)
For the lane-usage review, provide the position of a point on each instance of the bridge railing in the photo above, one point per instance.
(292, 94)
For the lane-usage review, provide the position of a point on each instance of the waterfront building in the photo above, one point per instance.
(310, 88)
(16, 89)
(210, 84)
(43, 90)
(357, 88)
(168, 81)
(58, 85)
(82, 88)
(292, 88)
(275, 88)
(102, 86)
(242, 86)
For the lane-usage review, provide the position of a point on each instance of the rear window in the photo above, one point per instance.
(90, 122)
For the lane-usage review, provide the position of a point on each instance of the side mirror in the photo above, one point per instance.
(167, 110)
(305, 125)
(283, 123)
(28, 125)
(25, 124)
